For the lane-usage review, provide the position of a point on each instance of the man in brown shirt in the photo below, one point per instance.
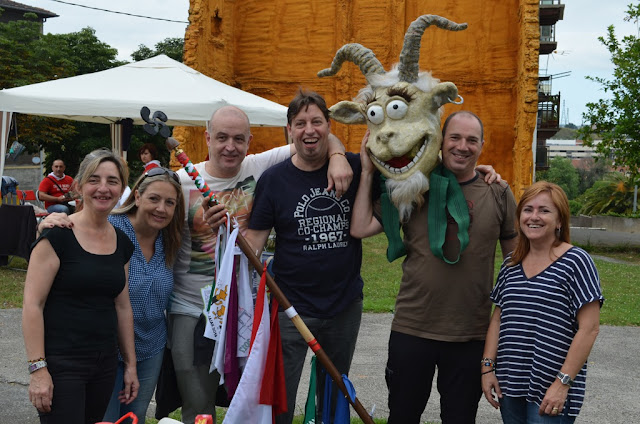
(443, 308)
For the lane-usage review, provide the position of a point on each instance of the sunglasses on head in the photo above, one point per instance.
(154, 172)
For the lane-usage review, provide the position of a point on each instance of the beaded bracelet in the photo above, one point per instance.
(488, 362)
(33, 361)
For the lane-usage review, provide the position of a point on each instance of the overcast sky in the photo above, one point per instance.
(122, 32)
(579, 50)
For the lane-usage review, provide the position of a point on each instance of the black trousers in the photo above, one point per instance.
(409, 374)
(82, 386)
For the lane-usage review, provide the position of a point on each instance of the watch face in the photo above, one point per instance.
(564, 378)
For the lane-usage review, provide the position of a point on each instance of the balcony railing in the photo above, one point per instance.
(549, 111)
(551, 11)
(542, 158)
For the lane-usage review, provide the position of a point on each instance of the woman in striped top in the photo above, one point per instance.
(546, 319)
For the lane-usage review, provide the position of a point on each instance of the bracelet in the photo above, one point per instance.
(33, 361)
(488, 362)
(337, 153)
(33, 367)
(487, 372)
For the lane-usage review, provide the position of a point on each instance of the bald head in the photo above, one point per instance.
(226, 112)
(228, 136)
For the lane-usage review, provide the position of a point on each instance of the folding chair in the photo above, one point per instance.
(30, 196)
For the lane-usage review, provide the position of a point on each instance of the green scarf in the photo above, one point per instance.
(444, 194)
(391, 224)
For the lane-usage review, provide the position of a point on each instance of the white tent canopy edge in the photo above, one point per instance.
(186, 96)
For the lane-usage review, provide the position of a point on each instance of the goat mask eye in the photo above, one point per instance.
(397, 109)
(375, 114)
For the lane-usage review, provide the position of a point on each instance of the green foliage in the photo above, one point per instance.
(565, 133)
(172, 47)
(561, 172)
(575, 207)
(28, 57)
(615, 120)
(612, 194)
(593, 171)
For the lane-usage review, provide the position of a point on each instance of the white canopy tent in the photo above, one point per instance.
(186, 96)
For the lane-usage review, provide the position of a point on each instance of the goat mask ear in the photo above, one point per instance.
(347, 113)
(443, 93)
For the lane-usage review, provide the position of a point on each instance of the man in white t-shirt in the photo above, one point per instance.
(232, 175)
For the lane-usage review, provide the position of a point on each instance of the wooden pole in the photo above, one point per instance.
(172, 144)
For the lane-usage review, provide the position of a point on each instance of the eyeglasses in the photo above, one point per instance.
(154, 172)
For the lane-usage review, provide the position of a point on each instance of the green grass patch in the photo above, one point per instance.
(381, 278)
(620, 281)
(621, 289)
(12, 284)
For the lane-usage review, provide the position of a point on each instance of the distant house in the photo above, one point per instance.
(13, 11)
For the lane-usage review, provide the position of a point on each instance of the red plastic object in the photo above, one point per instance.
(134, 419)
(204, 419)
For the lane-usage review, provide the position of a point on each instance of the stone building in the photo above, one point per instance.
(273, 48)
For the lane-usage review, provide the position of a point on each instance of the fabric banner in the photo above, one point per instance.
(310, 406)
(274, 390)
(342, 404)
(245, 407)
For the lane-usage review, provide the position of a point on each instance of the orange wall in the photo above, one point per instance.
(271, 48)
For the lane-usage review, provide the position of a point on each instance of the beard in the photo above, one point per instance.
(408, 194)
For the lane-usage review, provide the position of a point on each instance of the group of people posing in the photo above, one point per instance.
(107, 290)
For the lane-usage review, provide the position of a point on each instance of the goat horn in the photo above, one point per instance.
(409, 67)
(358, 54)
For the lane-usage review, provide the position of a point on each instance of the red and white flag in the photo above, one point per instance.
(246, 406)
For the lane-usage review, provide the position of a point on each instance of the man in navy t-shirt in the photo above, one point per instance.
(316, 262)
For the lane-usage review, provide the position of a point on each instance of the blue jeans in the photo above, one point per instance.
(337, 336)
(516, 410)
(148, 371)
(59, 208)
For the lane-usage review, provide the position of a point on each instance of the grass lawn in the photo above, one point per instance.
(620, 281)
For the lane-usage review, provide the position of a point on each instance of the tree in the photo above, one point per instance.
(172, 47)
(562, 172)
(565, 134)
(594, 171)
(28, 57)
(616, 120)
(613, 194)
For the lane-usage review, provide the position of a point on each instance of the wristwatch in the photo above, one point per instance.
(564, 378)
(35, 366)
